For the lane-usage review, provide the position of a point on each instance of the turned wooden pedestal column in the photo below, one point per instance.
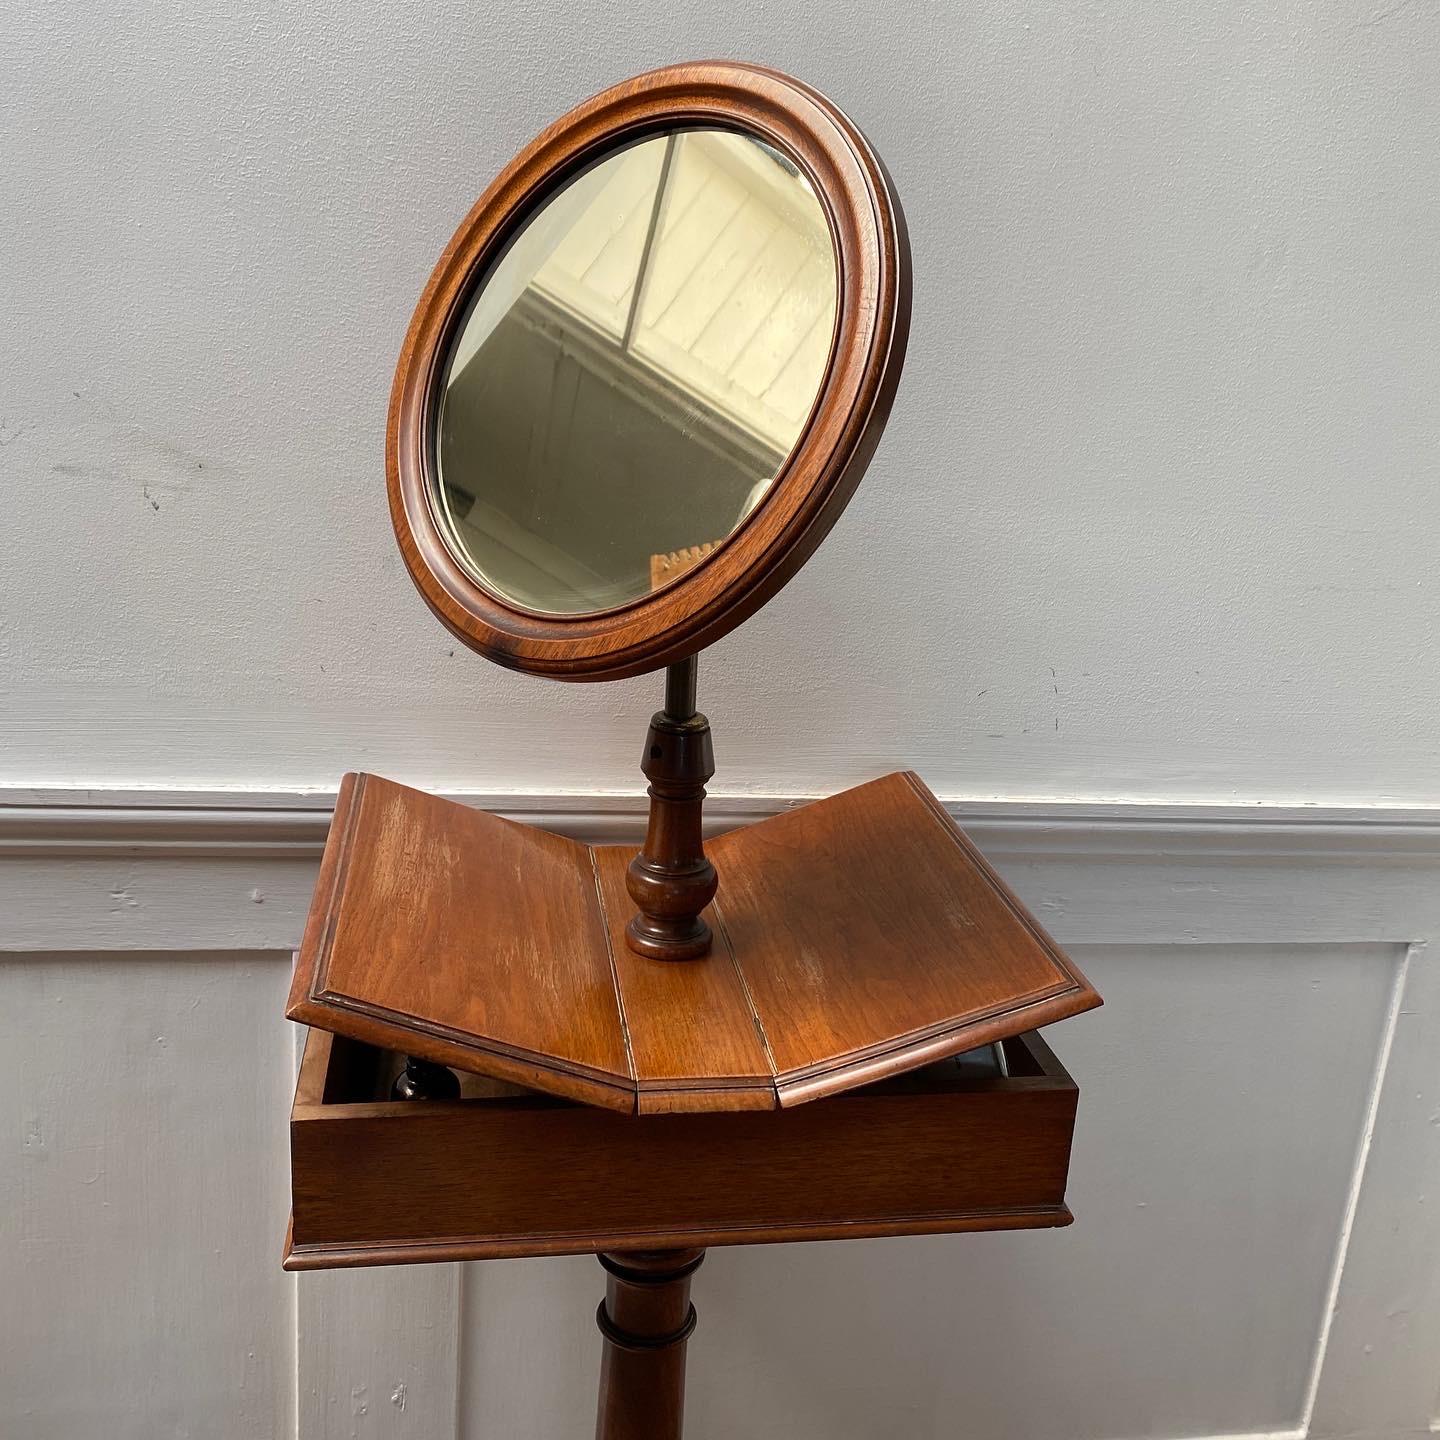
(646, 1318)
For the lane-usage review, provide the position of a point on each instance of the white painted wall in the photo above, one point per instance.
(1150, 519)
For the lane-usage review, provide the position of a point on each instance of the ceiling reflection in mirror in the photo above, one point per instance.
(634, 371)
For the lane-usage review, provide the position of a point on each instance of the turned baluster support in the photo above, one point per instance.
(670, 880)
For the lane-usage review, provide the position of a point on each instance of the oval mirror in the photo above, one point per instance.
(648, 372)
(633, 372)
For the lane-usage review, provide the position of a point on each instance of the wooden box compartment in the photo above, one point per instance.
(505, 1172)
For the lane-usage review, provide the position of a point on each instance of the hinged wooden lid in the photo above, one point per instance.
(856, 937)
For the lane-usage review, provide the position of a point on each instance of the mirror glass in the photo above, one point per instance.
(633, 372)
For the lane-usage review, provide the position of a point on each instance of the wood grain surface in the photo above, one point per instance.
(504, 1174)
(857, 937)
(693, 1033)
(468, 939)
(872, 936)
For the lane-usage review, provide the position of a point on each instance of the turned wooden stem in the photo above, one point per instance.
(646, 1318)
(670, 880)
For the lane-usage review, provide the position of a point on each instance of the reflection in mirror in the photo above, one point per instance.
(634, 371)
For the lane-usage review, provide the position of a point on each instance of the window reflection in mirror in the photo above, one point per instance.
(634, 371)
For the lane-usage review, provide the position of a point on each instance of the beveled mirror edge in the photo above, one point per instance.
(822, 470)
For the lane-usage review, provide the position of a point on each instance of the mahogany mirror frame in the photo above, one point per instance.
(821, 471)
